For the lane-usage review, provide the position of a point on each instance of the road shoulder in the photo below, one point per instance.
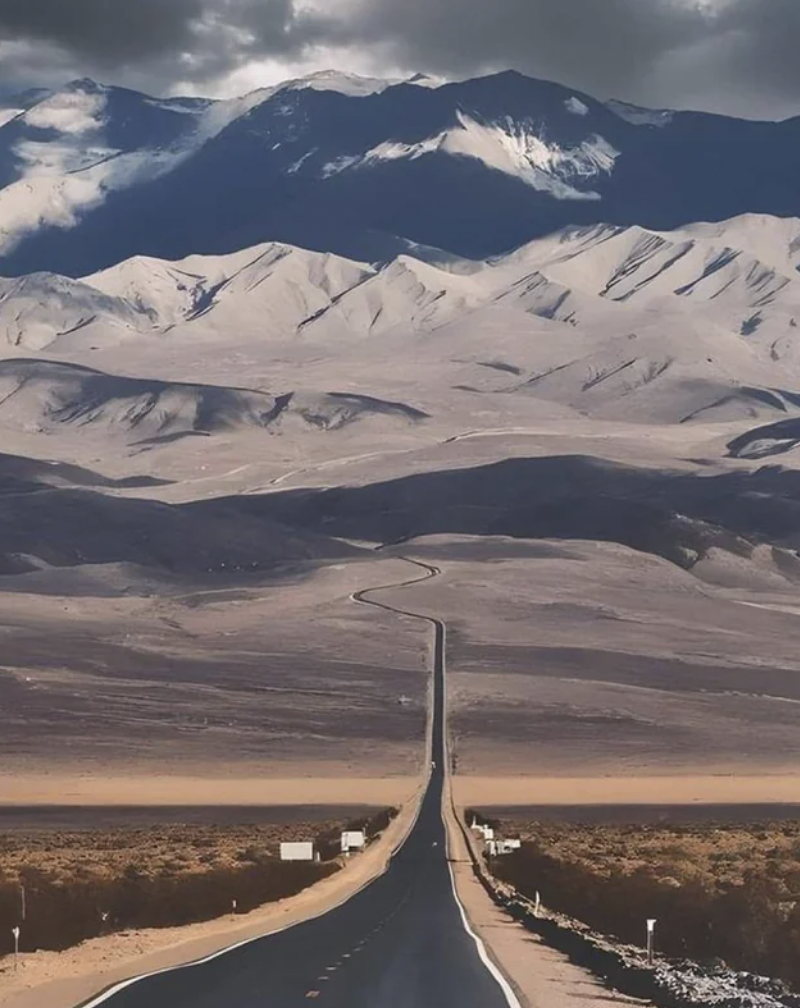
(540, 976)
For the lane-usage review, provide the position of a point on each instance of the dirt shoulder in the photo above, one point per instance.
(66, 979)
(540, 976)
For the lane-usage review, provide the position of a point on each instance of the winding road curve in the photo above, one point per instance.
(403, 941)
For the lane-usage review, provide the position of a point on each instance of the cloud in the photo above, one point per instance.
(759, 45)
(603, 46)
(725, 55)
(103, 31)
(157, 40)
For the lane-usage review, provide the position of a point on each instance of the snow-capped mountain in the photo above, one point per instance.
(620, 323)
(91, 175)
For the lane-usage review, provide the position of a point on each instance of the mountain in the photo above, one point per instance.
(44, 527)
(678, 516)
(40, 395)
(91, 176)
(618, 323)
(143, 294)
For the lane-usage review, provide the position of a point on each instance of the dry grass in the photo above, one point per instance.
(78, 885)
(726, 892)
(65, 856)
(714, 855)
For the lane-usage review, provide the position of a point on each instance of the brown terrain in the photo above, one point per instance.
(567, 661)
(721, 886)
(205, 651)
(65, 885)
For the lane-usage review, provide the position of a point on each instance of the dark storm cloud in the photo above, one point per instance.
(714, 54)
(601, 45)
(158, 37)
(762, 41)
(102, 29)
(718, 54)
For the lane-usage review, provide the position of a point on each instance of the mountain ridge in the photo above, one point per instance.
(92, 175)
(611, 322)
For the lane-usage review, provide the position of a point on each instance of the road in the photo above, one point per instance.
(401, 942)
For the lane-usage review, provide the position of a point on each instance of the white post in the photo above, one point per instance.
(234, 905)
(651, 927)
(537, 906)
(15, 932)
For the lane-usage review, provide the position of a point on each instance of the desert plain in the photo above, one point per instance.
(578, 669)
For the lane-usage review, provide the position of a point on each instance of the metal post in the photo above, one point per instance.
(23, 902)
(651, 927)
(15, 932)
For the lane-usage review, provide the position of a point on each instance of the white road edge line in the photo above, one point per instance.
(447, 795)
(123, 985)
(505, 986)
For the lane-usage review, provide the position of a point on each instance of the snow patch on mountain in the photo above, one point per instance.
(391, 151)
(71, 171)
(519, 150)
(68, 112)
(352, 85)
(8, 115)
(63, 177)
(638, 116)
(427, 81)
(576, 106)
(222, 113)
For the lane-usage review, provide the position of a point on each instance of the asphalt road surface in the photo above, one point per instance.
(402, 942)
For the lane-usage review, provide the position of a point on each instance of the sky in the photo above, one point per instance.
(737, 57)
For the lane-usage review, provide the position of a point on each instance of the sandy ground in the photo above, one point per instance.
(283, 680)
(64, 979)
(104, 792)
(733, 789)
(566, 660)
(587, 660)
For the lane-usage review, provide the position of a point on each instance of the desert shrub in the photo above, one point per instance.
(82, 884)
(750, 924)
(62, 914)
